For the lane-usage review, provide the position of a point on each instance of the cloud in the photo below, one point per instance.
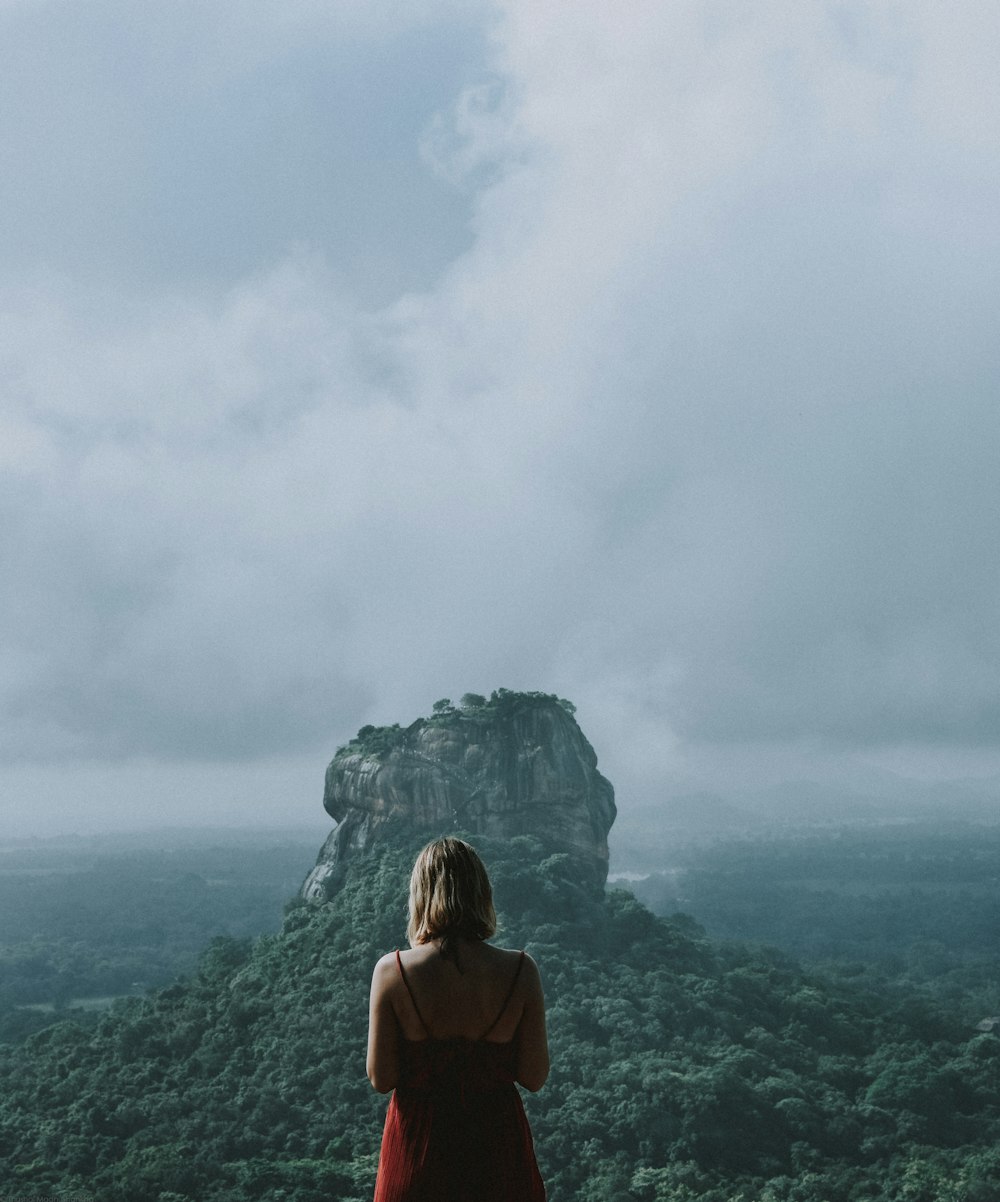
(682, 405)
(763, 358)
(189, 145)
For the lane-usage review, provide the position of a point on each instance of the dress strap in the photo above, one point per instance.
(506, 1001)
(416, 1008)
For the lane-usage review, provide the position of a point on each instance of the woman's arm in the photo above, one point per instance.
(532, 1041)
(383, 1028)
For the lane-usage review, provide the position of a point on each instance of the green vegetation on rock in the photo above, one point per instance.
(502, 703)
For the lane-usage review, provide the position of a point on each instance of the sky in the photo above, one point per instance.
(355, 356)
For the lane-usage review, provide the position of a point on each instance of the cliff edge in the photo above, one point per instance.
(513, 764)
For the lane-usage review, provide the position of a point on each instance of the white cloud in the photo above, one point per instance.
(955, 86)
(700, 424)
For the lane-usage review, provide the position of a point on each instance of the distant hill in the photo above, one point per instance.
(650, 833)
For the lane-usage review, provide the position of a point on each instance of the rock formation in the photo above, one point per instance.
(516, 764)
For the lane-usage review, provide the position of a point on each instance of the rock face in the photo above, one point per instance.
(517, 764)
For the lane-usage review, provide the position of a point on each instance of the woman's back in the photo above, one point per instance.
(471, 993)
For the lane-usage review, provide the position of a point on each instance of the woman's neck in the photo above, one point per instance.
(457, 948)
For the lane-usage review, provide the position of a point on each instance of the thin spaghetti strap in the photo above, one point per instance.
(506, 1001)
(416, 1008)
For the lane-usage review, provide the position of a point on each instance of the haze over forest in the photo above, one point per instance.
(355, 356)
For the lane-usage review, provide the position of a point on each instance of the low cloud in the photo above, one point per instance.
(689, 413)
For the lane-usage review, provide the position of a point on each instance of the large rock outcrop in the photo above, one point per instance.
(516, 764)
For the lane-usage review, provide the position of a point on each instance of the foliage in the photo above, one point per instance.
(84, 924)
(682, 1069)
(502, 705)
(909, 907)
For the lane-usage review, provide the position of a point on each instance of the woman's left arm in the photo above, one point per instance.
(383, 1028)
(532, 1041)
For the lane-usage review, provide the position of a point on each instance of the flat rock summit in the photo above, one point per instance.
(512, 764)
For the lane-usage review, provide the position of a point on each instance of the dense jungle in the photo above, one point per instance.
(686, 1065)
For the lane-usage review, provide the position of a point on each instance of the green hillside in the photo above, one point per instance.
(85, 920)
(682, 1069)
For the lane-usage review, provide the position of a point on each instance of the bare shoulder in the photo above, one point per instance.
(385, 969)
(529, 974)
(532, 977)
(508, 953)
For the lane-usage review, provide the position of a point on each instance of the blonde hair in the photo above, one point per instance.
(450, 895)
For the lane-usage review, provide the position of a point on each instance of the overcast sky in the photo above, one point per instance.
(357, 355)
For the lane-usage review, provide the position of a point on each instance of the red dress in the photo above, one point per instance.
(456, 1130)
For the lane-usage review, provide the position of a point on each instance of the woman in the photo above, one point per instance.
(454, 1023)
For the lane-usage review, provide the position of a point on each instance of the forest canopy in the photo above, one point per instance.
(683, 1069)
